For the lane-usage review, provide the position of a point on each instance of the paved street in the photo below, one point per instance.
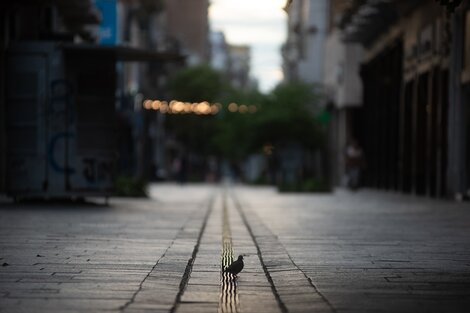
(344, 252)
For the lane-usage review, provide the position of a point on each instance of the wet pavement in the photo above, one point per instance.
(344, 252)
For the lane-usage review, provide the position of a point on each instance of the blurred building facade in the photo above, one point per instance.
(50, 144)
(303, 61)
(303, 53)
(233, 61)
(414, 114)
(67, 71)
(219, 51)
(238, 67)
(342, 87)
(188, 26)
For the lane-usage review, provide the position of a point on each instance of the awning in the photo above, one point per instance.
(367, 19)
(76, 12)
(126, 54)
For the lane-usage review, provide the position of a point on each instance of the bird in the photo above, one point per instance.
(236, 266)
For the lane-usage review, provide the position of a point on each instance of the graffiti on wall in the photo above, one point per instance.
(61, 146)
(95, 170)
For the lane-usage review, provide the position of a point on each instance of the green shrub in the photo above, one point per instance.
(130, 187)
(260, 181)
(315, 185)
(308, 185)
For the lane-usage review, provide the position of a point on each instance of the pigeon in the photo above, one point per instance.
(236, 267)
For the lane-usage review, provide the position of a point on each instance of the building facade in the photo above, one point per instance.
(342, 89)
(413, 122)
(303, 53)
(56, 137)
(71, 76)
(239, 57)
(219, 51)
(188, 26)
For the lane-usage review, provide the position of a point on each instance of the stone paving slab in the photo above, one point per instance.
(76, 258)
(343, 252)
(206, 268)
(162, 287)
(372, 251)
(296, 293)
(255, 291)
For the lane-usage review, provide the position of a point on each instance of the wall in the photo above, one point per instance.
(3, 43)
(457, 179)
(314, 35)
(187, 21)
(343, 87)
(304, 49)
(342, 66)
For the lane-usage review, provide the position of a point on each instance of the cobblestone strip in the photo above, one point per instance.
(162, 288)
(228, 288)
(294, 291)
(209, 290)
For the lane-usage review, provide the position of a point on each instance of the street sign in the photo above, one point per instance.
(108, 25)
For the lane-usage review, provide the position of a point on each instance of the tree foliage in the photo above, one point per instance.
(235, 137)
(197, 83)
(283, 116)
(287, 116)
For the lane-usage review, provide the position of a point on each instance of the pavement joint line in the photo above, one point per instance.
(239, 207)
(131, 301)
(128, 303)
(281, 304)
(189, 266)
(229, 302)
(324, 234)
(311, 283)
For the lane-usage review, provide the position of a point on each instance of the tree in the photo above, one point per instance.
(236, 135)
(287, 116)
(283, 117)
(195, 84)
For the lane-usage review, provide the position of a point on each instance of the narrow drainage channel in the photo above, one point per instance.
(228, 285)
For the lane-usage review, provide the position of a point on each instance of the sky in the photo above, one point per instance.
(260, 24)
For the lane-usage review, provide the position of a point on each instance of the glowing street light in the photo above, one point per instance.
(147, 104)
(199, 108)
(233, 107)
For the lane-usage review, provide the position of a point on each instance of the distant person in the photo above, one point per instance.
(212, 169)
(273, 168)
(236, 170)
(354, 161)
(175, 168)
(183, 170)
